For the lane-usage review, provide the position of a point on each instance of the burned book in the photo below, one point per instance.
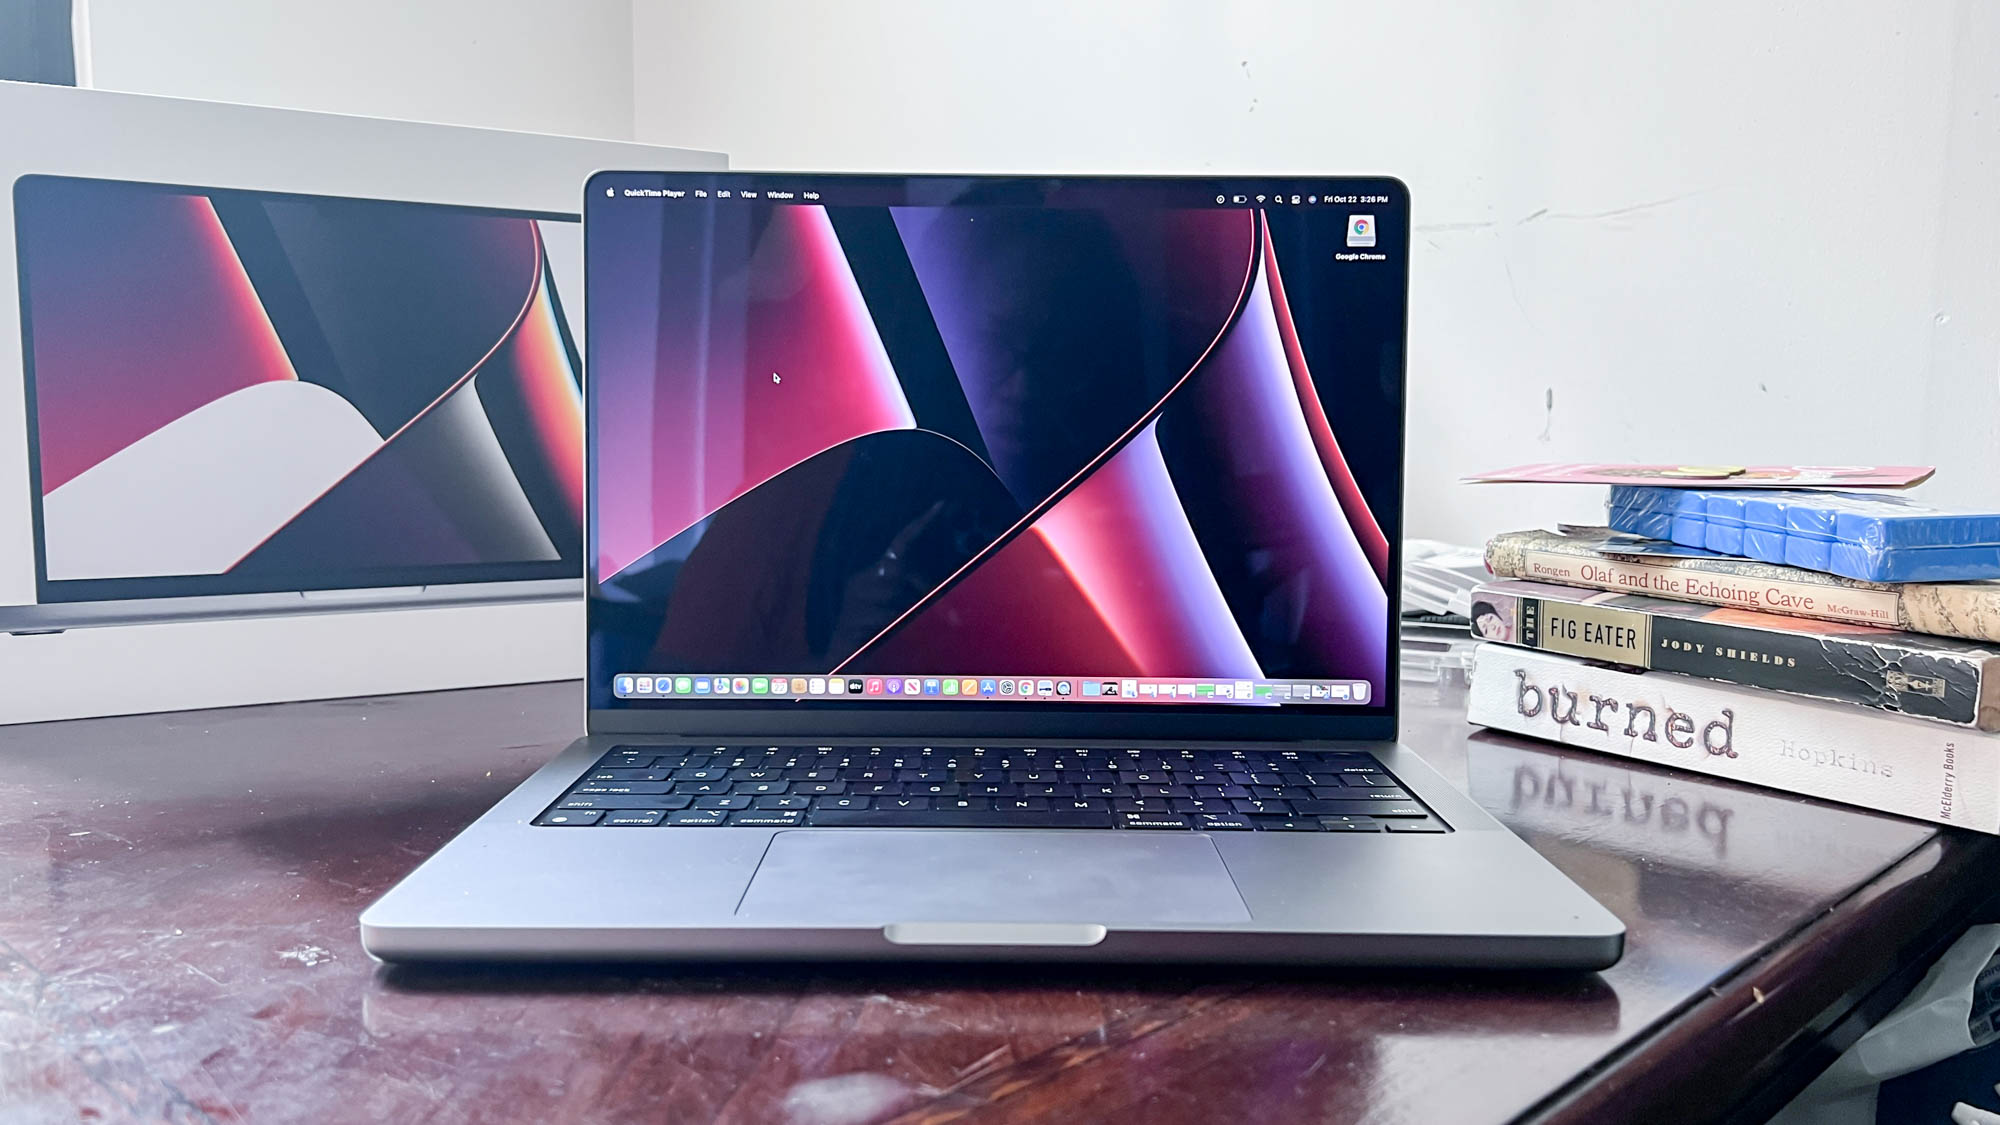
(1938, 678)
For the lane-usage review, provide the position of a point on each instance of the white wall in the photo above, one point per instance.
(1709, 231)
(1704, 232)
(545, 66)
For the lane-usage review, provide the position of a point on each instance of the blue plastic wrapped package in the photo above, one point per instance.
(1725, 524)
(1676, 515)
(1875, 537)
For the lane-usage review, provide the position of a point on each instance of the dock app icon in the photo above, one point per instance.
(1360, 230)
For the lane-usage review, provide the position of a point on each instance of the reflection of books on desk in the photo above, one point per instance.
(1836, 752)
(1672, 819)
(1664, 843)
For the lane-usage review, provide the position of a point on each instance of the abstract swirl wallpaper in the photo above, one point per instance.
(1123, 433)
(237, 391)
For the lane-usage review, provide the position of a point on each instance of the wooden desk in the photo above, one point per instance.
(177, 940)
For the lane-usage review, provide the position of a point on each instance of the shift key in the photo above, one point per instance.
(1359, 808)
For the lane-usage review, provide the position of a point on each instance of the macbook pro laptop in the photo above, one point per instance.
(993, 567)
(244, 403)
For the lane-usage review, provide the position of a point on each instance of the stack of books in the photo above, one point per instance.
(1880, 694)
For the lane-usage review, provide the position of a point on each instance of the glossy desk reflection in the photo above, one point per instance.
(180, 943)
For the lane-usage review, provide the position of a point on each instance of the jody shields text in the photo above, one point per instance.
(1559, 706)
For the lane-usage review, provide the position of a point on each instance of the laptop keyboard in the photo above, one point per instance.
(989, 787)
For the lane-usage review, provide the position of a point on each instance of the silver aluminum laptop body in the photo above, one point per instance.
(1465, 893)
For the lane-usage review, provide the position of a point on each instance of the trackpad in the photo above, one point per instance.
(880, 877)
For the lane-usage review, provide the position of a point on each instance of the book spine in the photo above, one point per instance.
(1856, 757)
(1797, 593)
(1953, 609)
(1880, 672)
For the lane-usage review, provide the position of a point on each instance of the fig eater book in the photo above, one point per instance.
(1836, 753)
(1937, 678)
(1581, 557)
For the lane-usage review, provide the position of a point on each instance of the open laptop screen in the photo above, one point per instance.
(864, 441)
(236, 392)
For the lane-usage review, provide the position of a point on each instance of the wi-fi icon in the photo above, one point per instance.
(1260, 199)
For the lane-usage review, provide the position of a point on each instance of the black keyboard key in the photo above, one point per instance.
(1022, 804)
(628, 775)
(1350, 824)
(933, 789)
(1370, 779)
(993, 789)
(1287, 824)
(761, 788)
(1079, 804)
(767, 818)
(1321, 808)
(880, 817)
(855, 803)
(1153, 820)
(1371, 808)
(781, 802)
(963, 804)
(633, 818)
(878, 789)
(634, 787)
(757, 775)
(1209, 822)
(706, 773)
(819, 788)
(702, 788)
(570, 819)
(698, 818)
(1413, 826)
(903, 804)
(615, 801)
(724, 803)
(1255, 807)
